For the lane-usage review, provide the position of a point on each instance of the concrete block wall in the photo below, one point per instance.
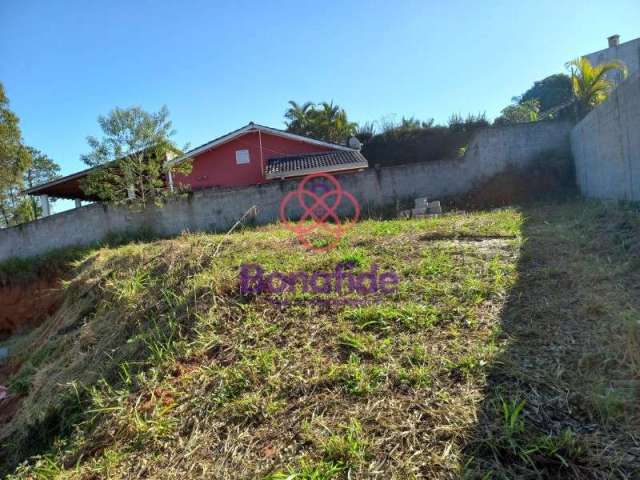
(606, 146)
(490, 152)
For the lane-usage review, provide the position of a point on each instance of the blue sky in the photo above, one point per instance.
(218, 65)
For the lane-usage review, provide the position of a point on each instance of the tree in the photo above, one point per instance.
(551, 92)
(298, 117)
(16, 207)
(10, 139)
(590, 84)
(324, 121)
(25, 210)
(20, 166)
(523, 112)
(130, 158)
(12, 160)
(41, 170)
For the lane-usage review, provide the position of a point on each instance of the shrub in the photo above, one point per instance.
(413, 141)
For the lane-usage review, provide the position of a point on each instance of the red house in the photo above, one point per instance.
(251, 155)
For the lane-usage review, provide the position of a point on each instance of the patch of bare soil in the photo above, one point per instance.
(24, 306)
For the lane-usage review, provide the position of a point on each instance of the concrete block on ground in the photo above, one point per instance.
(421, 202)
(434, 207)
(417, 212)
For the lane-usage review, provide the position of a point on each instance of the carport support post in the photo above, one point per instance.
(170, 178)
(44, 203)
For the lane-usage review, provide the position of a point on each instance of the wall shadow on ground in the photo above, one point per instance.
(571, 337)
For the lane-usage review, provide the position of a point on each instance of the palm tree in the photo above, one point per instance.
(325, 121)
(333, 123)
(298, 117)
(590, 84)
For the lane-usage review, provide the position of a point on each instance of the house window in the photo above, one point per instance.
(242, 157)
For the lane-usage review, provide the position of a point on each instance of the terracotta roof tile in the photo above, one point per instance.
(296, 165)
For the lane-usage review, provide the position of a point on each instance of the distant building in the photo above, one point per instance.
(628, 53)
(251, 155)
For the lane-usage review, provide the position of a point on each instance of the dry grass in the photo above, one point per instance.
(495, 357)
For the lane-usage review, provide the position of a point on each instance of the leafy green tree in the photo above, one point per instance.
(324, 121)
(524, 112)
(20, 166)
(131, 156)
(10, 139)
(16, 207)
(590, 84)
(12, 160)
(551, 92)
(41, 170)
(25, 210)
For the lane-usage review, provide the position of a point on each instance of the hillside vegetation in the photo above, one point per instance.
(511, 349)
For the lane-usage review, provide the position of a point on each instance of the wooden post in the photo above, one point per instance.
(261, 157)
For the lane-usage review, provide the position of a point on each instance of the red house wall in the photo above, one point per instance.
(217, 167)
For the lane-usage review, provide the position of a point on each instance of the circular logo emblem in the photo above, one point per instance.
(324, 210)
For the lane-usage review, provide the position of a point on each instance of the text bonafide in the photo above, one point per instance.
(340, 281)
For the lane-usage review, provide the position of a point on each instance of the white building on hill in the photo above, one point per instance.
(628, 53)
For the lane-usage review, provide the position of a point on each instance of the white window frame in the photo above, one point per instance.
(243, 157)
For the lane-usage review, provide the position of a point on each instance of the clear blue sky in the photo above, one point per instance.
(218, 65)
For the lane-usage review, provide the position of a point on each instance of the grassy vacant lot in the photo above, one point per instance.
(511, 349)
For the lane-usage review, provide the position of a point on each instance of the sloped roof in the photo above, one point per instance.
(69, 186)
(64, 187)
(254, 127)
(298, 165)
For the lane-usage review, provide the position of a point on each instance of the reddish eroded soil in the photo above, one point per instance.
(24, 306)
